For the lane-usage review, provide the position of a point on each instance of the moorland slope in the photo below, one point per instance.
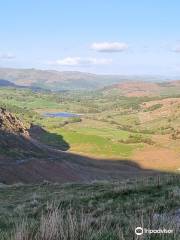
(25, 159)
(145, 88)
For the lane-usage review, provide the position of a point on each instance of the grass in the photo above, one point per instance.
(94, 211)
(31, 102)
(112, 126)
(95, 144)
(95, 141)
(99, 210)
(92, 137)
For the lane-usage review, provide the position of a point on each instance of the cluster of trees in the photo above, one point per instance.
(138, 138)
(153, 107)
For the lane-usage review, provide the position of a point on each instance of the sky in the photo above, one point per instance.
(98, 36)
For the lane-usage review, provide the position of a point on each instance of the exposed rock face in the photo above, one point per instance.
(11, 124)
(14, 137)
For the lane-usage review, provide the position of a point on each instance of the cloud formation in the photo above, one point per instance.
(110, 46)
(78, 61)
(6, 56)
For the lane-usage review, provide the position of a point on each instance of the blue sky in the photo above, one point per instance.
(120, 37)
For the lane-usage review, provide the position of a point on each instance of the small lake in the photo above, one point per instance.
(62, 115)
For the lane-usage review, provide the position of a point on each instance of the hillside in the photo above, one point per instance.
(55, 80)
(101, 210)
(14, 136)
(25, 159)
(5, 83)
(144, 88)
(104, 170)
(144, 130)
(67, 80)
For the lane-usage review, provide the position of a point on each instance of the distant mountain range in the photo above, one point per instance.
(66, 80)
(144, 88)
(5, 83)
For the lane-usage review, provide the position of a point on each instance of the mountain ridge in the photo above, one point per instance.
(68, 80)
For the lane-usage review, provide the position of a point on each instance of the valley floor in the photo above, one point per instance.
(93, 177)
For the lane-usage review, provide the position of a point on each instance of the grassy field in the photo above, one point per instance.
(95, 138)
(96, 211)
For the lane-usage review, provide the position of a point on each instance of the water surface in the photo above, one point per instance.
(62, 115)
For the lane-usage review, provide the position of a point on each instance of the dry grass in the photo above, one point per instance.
(58, 224)
(100, 211)
(109, 215)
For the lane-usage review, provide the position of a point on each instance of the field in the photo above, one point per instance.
(142, 129)
(96, 211)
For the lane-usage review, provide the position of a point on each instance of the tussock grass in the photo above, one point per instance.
(59, 224)
(95, 211)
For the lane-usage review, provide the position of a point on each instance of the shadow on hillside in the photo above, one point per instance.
(6, 83)
(122, 168)
(56, 142)
(51, 139)
(31, 161)
(17, 146)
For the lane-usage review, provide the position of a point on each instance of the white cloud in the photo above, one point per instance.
(78, 61)
(110, 46)
(6, 56)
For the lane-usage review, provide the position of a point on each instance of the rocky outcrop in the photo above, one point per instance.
(11, 124)
(14, 137)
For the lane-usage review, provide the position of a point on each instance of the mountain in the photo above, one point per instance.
(144, 88)
(66, 80)
(55, 80)
(5, 83)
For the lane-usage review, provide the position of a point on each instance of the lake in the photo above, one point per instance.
(62, 115)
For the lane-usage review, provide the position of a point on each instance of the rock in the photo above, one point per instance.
(11, 124)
